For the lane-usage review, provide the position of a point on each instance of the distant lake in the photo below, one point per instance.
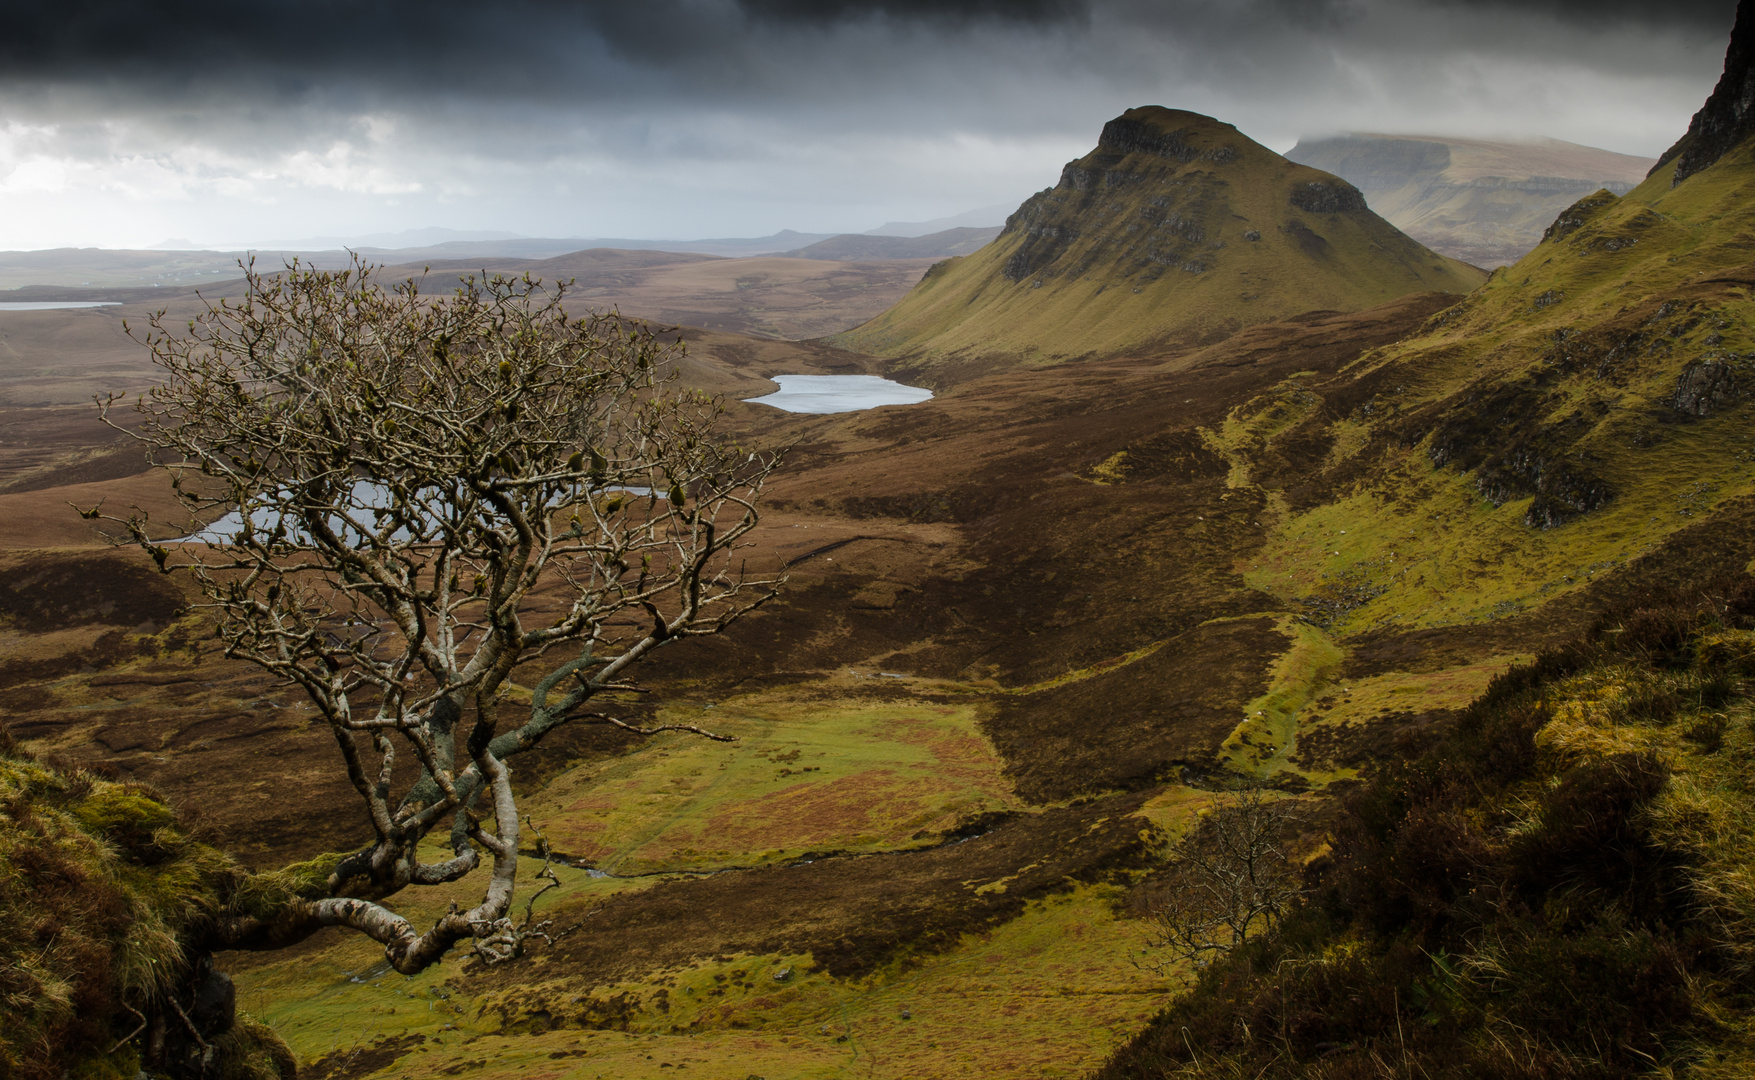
(51, 305)
(839, 393)
(357, 517)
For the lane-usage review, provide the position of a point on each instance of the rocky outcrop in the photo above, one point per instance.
(1128, 135)
(1497, 435)
(1327, 197)
(1576, 216)
(1728, 117)
(1711, 384)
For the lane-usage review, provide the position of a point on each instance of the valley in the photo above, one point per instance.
(1223, 479)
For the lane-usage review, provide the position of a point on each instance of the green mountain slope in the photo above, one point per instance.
(1175, 230)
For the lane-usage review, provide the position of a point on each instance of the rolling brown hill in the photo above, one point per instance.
(1176, 230)
(939, 245)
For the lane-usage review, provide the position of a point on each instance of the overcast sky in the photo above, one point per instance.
(226, 123)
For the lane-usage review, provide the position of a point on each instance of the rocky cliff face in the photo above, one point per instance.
(1176, 229)
(1728, 117)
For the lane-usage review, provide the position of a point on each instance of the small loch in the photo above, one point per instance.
(839, 393)
(54, 305)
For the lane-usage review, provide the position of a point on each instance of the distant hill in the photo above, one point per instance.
(858, 247)
(1176, 229)
(1479, 201)
(585, 266)
(987, 217)
(110, 268)
(431, 236)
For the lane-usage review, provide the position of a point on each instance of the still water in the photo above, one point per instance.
(355, 521)
(839, 393)
(54, 305)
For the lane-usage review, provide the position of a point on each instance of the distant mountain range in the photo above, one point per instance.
(1476, 200)
(867, 247)
(172, 263)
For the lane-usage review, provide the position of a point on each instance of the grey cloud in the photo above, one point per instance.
(1704, 14)
(781, 55)
(955, 12)
(487, 96)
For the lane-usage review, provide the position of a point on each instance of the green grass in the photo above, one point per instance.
(101, 887)
(1263, 744)
(1061, 971)
(805, 775)
(1048, 994)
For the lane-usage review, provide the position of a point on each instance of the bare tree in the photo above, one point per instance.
(1228, 881)
(456, 524)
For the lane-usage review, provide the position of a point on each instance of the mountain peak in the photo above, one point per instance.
(1728, 117)
(1176, 229)
(1170, 133)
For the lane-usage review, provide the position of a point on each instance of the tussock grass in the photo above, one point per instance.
(101, 889)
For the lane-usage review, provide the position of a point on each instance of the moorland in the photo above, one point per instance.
(1225, 480)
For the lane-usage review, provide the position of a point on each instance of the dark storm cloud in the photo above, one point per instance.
(134, 55)
(440, 39)
(594, 103)
(962, 12)
(1705, 14)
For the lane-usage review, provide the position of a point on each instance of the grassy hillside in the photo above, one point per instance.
(1175, 230)
(1558, 887)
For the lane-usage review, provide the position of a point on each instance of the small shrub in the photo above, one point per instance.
(1228, 883)
(1588, 833)
(1713, 689)
(1660, 637)
(1651, 703)
(1708, 732)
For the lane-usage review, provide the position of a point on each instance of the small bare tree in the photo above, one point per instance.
(1228, 882)
(432, 499)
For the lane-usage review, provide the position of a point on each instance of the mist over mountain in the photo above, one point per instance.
(985, 217)
(1480, 201)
